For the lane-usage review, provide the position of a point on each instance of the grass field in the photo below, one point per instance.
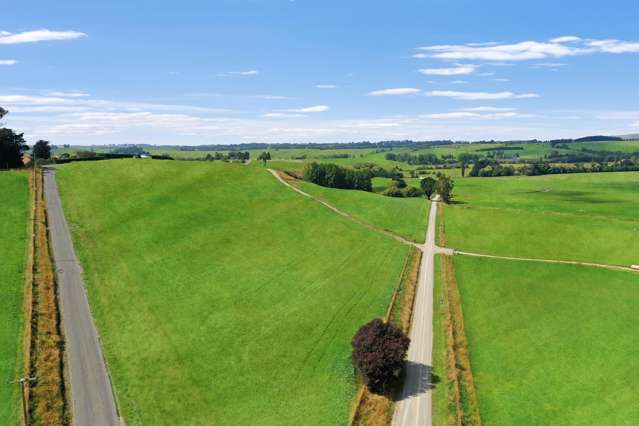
(220, 295)
(551, 344)
(406, 217)
(586, 217)
(14, 215)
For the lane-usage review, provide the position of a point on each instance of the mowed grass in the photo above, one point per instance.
(14, 215)
(551, 344)
(221, 296)
(590, 217)
(406, 217)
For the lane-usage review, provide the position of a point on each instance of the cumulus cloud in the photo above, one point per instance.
(477, 115)
(478, 96)
(38, 36)
(282, 115)
(71, 94)
(8, 62)
(457, 70)
(310, 109)
(530, 50)
(238, 73)
(395, 92)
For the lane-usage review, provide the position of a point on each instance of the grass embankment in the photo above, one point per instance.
(406, 217)
(14, 216)
(583, 217)
(221, 295)
(47, 393)
(372, 409)
(551, 344)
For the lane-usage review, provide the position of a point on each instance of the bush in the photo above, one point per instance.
(393, 191)
(379, 350)
(334, 176)
(398, 183)
(413, 192)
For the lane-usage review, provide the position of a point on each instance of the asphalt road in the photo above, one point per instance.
(91, 393)
(415, 404)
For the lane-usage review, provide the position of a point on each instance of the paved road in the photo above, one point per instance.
(415, 404)
(91, 394)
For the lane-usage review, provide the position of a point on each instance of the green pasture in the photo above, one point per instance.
(14, 215)
(220, 295)
(590, 217)
(551, 344)
(406, 217)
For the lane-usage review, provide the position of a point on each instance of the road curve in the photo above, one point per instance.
(414, 406)
(91, 394)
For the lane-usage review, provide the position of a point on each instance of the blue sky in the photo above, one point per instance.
(200, 72)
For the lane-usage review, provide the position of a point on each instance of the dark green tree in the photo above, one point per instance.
(42, 150)
(428, 185)
(12, 145)
(264, 156)
(444, 187)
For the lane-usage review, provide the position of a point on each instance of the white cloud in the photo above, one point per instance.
(326, 86)
(530, 50)
(240, 73)
(455, 115)
(565, 39)
(489, 109)
(457, 70)
(502, 80)
(476, 96)
(8, 62)
(315, 108)
(274, 97)
(420, 56)
(38, 35)
(72, 94)
(459, 82)
(282, 115)
(395, 92)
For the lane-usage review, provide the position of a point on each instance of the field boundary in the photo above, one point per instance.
(27, 303)
(564, 262)
(48, 403)
(284, 181)
(463, 404)
(368, 408)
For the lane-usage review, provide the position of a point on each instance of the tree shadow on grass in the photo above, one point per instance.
(417, 379)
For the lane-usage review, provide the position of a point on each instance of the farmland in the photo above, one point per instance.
(584, 217)
(14, 197)
(551, 344)
(406, 217)
(215, 299)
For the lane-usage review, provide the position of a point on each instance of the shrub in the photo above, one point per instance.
(334, 176)
(379, 350)
(413, 192)
(393, 191)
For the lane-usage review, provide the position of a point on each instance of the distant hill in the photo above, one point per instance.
(599, 139)
(630, 137)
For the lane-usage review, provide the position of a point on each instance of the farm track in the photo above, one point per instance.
(529, 259)
(92, 397)
(343, 213)
(415, 404)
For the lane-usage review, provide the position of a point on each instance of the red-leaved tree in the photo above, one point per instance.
(379, 350)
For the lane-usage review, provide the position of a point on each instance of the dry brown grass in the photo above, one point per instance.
(463, 406)
(47, 394)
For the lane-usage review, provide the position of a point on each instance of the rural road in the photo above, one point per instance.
(91, 394)
(415, 404)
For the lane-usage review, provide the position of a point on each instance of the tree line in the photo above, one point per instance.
(13, 146)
